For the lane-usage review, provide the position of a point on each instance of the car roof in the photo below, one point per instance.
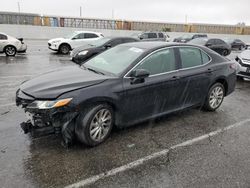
(116, 37)
(87, 32)
(155, 45)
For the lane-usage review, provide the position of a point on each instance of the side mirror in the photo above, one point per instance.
(139, 75)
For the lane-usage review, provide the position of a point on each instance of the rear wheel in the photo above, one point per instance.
(10, 51)
(94, 126)
(64, 48)
(215, 97)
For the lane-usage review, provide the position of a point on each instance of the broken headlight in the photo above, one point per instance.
(49, 104)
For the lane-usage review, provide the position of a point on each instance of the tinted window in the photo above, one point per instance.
(79, 36)
(144, 35)
(161, 35)
(218, 41)
(115, 42)
(190, 57)
(152, 35)
(3, 37)
(90, 35)
(212, 41)
(159, 62)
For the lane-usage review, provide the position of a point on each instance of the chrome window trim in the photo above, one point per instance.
(159, 74)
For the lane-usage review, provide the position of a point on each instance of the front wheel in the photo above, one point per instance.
(10, 51)
(215, 97)
(64, 49)
(94, 126)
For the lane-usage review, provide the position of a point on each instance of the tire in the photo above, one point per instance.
(214, 97)
(10, 50)
(88, 122)
(240, 78)
(64, 49)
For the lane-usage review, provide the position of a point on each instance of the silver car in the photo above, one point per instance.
(154, 36)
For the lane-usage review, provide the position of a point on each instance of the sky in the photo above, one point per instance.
(174, 11)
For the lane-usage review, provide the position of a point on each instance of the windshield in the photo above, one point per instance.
(198, 41)
(115, 60)
(99, 42)
(186, 36)
(71, 35)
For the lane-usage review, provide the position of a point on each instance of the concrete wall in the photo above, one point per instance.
(45, 33)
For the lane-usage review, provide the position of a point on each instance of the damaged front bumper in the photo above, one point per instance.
(42, 122)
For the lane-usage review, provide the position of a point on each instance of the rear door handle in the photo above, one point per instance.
(209, 71)
(175, 78)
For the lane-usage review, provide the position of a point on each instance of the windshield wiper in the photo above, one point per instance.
(95, 71)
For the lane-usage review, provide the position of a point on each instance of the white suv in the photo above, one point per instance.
(11, 45)
(74, 40)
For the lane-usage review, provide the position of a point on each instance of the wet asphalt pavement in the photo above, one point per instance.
(222, 160)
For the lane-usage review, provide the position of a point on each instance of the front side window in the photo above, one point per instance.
(218, 41)
(3, 37)
(90, 35)
(152, 35)
(159, 62)
(191, 57)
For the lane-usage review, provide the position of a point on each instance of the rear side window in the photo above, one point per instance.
(79, 36)
(90, 35)
(3, 37)
(152, 35)
(161, 35)
(159, 62)
(191, 57)
(205, 57)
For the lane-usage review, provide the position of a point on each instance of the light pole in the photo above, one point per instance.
(80, 11)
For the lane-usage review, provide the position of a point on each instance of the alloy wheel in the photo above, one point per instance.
(10, 51)
(100, 125)
(216, 97)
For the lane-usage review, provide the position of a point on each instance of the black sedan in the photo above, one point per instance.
(187, 37)
(215, 44)
(125, 85)
(236, 44)
(83, 53)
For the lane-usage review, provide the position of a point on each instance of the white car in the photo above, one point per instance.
(74, 40)
(11, 45)
(244, 60)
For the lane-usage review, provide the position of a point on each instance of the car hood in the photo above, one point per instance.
(245, 54)
(53, 84)
(81, 48)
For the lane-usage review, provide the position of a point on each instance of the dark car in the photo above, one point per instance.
(83, 53)
(125, 85)
(236, 44)
(187, 37)
(215, 44)
(244, 61)
(154, 36)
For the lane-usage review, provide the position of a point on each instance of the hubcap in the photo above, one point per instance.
(10, 50)
(100, 125)
(216, 97)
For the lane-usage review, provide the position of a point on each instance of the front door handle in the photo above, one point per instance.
(209, 71)
(175, 78)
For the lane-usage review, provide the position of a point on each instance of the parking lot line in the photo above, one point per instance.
(140, 161)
